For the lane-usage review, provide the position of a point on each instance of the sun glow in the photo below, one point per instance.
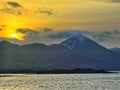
(9, 26)
(14, 35)
(18, 36)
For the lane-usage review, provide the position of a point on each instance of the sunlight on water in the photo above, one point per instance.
(60, 82)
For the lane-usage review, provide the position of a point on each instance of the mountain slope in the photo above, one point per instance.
(81, 44)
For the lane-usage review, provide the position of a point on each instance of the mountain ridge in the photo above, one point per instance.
(38, 56)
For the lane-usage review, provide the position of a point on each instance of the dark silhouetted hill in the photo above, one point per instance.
(117, 50)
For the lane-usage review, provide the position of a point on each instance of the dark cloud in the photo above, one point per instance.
(2, 27)
(14, 4)
(35, 34)
(29, 33)
(46, 11)
(11, 11)
(114, 1)
(47, 30)
(40, 35)
(102, 36)
(12, 8)
(66, 34)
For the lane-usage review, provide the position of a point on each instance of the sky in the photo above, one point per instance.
(52, 21)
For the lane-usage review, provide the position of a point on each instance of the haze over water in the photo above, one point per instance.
(60, 82)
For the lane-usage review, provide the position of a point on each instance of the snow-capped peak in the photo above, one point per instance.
(74, 41)
(80, 37)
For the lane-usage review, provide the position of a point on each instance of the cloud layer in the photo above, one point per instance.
(49, 36)
(16, 8)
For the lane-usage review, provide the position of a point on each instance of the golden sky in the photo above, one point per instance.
(91, 15)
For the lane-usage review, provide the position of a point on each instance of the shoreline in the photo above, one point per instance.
(59, 71)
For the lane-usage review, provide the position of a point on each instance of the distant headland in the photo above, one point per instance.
(59, 71)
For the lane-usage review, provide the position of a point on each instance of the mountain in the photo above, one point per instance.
(117, 50)
(80, 42)
(75, 52)
(86, 46)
